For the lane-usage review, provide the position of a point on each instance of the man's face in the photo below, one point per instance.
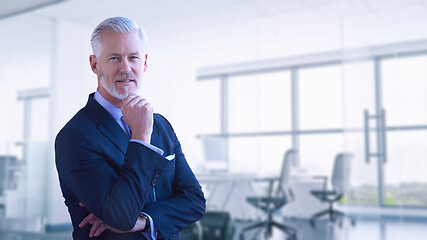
(120, 66)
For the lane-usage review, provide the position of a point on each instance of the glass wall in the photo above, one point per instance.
(405, 101)
(320, 108)
(258, 105)
(375, 109)
(358, 97)
(320, 98)
(24, 97)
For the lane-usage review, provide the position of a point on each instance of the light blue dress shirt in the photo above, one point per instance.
(116, 113)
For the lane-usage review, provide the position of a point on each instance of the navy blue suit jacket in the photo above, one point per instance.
(114, 178)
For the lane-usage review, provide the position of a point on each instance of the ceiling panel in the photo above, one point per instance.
(414, 29)
(182, 24)
(322, 26)
(384, 4)
(276, 7)
(342, 8)
(402, 13)
(299, 17)
(360, 20)
(211, 5)
(236, 13)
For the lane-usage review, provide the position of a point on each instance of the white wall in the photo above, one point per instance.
(71, 83)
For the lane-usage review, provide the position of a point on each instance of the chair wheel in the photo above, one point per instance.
(241, 236)
(292, 237)
(312, 223)
(353, 222)
(267, 234)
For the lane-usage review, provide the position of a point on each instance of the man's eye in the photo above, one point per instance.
(113, 58)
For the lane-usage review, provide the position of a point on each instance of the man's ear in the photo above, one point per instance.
(145, 62)
(94, 64)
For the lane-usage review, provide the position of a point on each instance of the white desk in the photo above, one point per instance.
(223, 184)
(228, 192)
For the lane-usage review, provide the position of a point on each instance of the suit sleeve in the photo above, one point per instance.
(186, 205)
(116, 197)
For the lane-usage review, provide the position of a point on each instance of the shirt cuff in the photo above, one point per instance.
(154, 234)
(154, 148)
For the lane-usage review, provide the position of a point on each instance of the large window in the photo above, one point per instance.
(320, 102)
(259, 105)
(358, 97)
(405, 101)
(209, 118)
(257, 155)
(374, 108)
(320, 108)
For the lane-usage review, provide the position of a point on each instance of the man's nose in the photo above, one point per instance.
(125, 66)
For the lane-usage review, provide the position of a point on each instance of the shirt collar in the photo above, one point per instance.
(113, 110)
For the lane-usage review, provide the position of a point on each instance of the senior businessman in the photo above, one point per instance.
(121, 167)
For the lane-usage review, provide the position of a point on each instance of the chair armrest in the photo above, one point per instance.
(325, 181)
(267, 179)
(271, 181)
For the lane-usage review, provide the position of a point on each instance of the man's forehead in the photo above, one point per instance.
(106, 35)
(117, 41)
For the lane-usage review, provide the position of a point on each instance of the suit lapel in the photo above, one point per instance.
(107, 125)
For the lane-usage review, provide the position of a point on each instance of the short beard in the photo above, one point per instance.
(112, 90)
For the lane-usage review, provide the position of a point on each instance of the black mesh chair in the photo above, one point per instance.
(340, 184)
(275, 200)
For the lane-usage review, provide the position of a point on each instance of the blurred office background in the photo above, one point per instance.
(242, 82)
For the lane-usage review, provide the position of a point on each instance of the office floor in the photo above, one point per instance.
(17, 235)
(366, 230)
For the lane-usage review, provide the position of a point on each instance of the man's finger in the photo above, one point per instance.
(100, 230)
(128, 99)
(148, 105)
(135, 101)
(87, 220)
(142, 102)
(95, 227)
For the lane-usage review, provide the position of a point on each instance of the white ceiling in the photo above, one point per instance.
(219, 11)
(311, 25)
(296, 16)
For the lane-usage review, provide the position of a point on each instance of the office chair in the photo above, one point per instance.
(275, 200)
(340, 182)
(193, 232)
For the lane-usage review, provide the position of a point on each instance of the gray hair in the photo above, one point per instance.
(116, 24)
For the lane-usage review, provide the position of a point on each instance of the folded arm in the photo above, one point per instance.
(186, 205)
(116, 197)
